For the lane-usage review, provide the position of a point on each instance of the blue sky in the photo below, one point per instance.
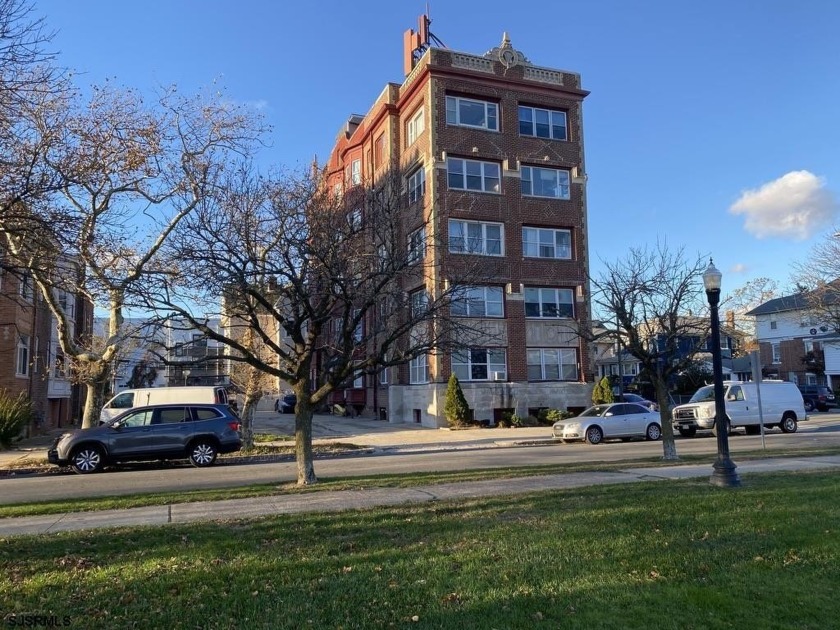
(710, 125)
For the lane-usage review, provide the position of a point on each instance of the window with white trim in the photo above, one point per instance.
(777, 352)
(359, 330)
(478, 302)
(25, 287)
(549, 303)
(359, 380)
(478, 364)
(537, 181)
(417, 185)
(546, 243)
(468, 112)
(417, 245)
(23, 353)
(383, 376)
(354, 218)
(473, 237)
(542, 123)
(474, 175)
(356, 172)
(552, 364)
(416, 125)
(418, 370)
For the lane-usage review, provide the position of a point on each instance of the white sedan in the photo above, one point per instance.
(616, 420)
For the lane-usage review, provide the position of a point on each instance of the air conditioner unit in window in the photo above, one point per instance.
(498, 376)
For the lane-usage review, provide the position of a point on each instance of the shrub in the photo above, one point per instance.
(602, 393)
(15, 414)
(527, 421)
(456, 409)
(555, 415)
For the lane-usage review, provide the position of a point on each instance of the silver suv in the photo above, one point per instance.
(177, 431)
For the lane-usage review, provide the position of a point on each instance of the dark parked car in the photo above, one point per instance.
(286, 404)
(817, 397)
(635, 398)
(176, 431)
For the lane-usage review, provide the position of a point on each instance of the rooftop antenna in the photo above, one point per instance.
(415, 44)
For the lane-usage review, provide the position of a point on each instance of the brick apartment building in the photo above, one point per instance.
(32, 361)
(491, 147)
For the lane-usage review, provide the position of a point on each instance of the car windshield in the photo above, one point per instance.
(704, 394)
(597, 410)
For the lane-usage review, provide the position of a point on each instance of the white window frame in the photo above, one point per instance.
(383, 376)
(460, 167)
(356, 172)
(551, 115)
(465, 300)
(418, 302)
(359, 330)
(359, 380)
(453, 113)
(354, 218)
(550, 359)
(416, 125)
(535, 242)
(529, 176)
(543, 295)
(467, 366)
(473, 244)
(418, 370)
(417, 245)
(25, 289)
(416, 185)
(776, 350)
(24, 354)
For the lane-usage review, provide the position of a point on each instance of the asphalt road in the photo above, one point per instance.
(823, 431)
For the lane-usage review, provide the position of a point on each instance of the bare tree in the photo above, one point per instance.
(745, 298)
(128, 175)
(331, 284)
(819, 278)
(253, 382)
(649, 302)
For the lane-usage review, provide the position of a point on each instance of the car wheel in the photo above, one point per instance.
(715, 427)
(789, 424)
(809, 406)
(687, 431)
(87, 459)
(752, 429)
(203, 453)
(654, 432)
(594, 435)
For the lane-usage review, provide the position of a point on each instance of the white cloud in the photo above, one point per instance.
(795, 206)
(738, 268)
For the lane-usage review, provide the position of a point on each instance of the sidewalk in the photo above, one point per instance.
(334, 501)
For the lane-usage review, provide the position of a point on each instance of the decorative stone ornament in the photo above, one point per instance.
(507, 54)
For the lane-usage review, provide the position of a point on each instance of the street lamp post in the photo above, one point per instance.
(724, 474)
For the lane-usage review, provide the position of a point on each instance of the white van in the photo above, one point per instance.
(129, 398)
(781, 405)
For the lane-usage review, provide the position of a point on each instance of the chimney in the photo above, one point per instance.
(730, 319)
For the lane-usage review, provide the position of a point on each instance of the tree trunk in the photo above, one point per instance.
(303, 437)
(249, 406)
(93, 403)
(669, 447)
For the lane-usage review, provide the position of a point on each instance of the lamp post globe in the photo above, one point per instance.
(723, 473)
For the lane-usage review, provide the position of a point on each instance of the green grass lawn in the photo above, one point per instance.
(650, 555)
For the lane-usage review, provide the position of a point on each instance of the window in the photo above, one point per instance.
(777, 352)
(203, 413)
(545, 182)
(467, 112)
(123, 401)
(809, 345)
(359, 330)
(25, 287)
(416, 185)
(549, 303)
(379, 150)
(478, 364)
(418, 303)
(383, 376)
(22, 368)
(552, 364)
(356, 172)
(417, 245)
(416, 126)
(478, 302)
(172, 415)
(138, 419)
(546, 243)
(354, 218)
(471, 237)
(773, 324)
(542, 123)
(359, 380)
(418, 369)
(472, 175)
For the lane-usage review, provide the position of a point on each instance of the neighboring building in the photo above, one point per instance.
(35, 364)
(794, 344)
(492, 151)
